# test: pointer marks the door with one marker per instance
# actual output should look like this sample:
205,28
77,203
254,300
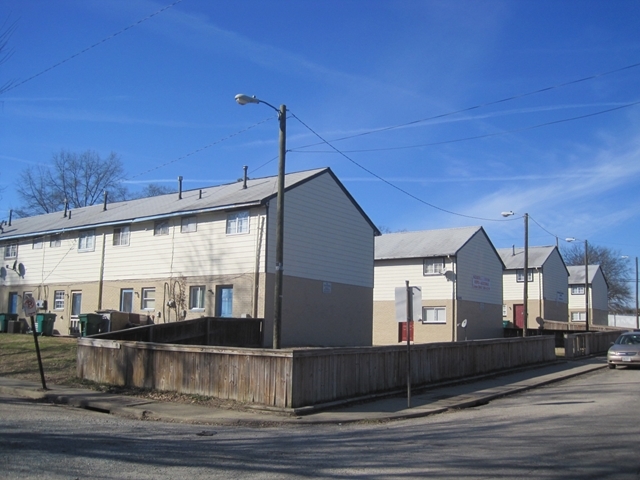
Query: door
76,310
224,301
518,315
126,300
13,302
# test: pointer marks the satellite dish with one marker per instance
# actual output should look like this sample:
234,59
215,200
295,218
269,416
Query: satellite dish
21,270
464,323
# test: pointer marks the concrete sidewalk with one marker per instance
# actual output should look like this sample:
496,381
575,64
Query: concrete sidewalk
435,399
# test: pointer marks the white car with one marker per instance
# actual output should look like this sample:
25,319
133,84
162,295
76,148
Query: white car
625,350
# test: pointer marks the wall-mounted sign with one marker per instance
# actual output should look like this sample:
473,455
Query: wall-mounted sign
480,282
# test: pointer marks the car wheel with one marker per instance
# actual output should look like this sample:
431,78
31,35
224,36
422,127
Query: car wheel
612,366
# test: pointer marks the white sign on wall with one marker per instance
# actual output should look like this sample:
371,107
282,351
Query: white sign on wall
481,282
401,304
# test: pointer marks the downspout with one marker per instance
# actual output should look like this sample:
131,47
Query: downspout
454,299
101,277
256,274
540,292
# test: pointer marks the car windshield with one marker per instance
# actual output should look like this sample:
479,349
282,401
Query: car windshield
628,340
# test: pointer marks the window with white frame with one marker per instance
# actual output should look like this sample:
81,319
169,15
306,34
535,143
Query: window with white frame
58,300
148,298
578,316
188,224
161,227
121,236
433,266
520,275
504,310
434,315
11,251
37,243
238,223
55,240
577,289
87,241
196,297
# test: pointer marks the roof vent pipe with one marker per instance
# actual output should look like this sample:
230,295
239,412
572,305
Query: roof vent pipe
66,207
69,214
104,207
180,187
10,215
244,177
513,250
200,195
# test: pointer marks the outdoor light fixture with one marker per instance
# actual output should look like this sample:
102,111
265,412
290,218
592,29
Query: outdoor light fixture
277,304
586,280
525,293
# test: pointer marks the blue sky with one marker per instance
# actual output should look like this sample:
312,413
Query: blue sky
165,88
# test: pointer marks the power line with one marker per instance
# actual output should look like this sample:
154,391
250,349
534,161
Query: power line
481,105
17,84
476,137
392,184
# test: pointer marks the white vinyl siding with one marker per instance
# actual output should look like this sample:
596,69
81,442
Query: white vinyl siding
326,236
390,274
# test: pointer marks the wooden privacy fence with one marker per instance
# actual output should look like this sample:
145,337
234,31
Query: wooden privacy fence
294,378
582,344
228,332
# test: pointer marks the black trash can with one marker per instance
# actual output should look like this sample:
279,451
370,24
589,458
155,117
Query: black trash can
92,324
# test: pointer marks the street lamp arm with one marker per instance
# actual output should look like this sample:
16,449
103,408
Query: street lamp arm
243,99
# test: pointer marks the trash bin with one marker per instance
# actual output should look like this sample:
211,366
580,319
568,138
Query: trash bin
4,322
44,323
92,324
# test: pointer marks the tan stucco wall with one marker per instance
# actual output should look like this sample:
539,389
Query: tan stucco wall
315,314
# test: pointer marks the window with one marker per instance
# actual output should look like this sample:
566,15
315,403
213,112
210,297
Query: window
37,243
121,236
577,289
188,224
434,315
196,298
520,275
86,241
238,223
504,310
161,227
55,240
58,300
433,266
11,251
578,316
148,298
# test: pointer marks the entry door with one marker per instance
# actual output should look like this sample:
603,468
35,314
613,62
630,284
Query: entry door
518,314
224,301
13,302
126,300
76,310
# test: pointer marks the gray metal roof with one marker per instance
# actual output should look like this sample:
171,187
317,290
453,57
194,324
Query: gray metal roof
576,274
513,258
424,243
221,197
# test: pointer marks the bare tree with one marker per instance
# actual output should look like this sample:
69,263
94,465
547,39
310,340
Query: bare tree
615,268
153,190
77,178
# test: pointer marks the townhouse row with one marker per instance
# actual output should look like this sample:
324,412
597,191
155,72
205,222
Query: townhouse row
211,252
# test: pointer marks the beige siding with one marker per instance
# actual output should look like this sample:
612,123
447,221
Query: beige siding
390,274
479,272
326,237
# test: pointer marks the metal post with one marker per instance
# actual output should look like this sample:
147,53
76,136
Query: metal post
525,294
277,309
586,285
637,321
35,340
409,318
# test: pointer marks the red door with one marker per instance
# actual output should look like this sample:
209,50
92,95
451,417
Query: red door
518,314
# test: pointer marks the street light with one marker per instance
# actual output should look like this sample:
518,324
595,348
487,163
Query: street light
277,301
525,293
586,281
636,280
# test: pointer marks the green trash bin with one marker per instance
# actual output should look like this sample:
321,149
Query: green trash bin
4,322
44,323
91,324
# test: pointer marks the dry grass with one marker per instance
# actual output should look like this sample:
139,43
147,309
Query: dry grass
18,358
